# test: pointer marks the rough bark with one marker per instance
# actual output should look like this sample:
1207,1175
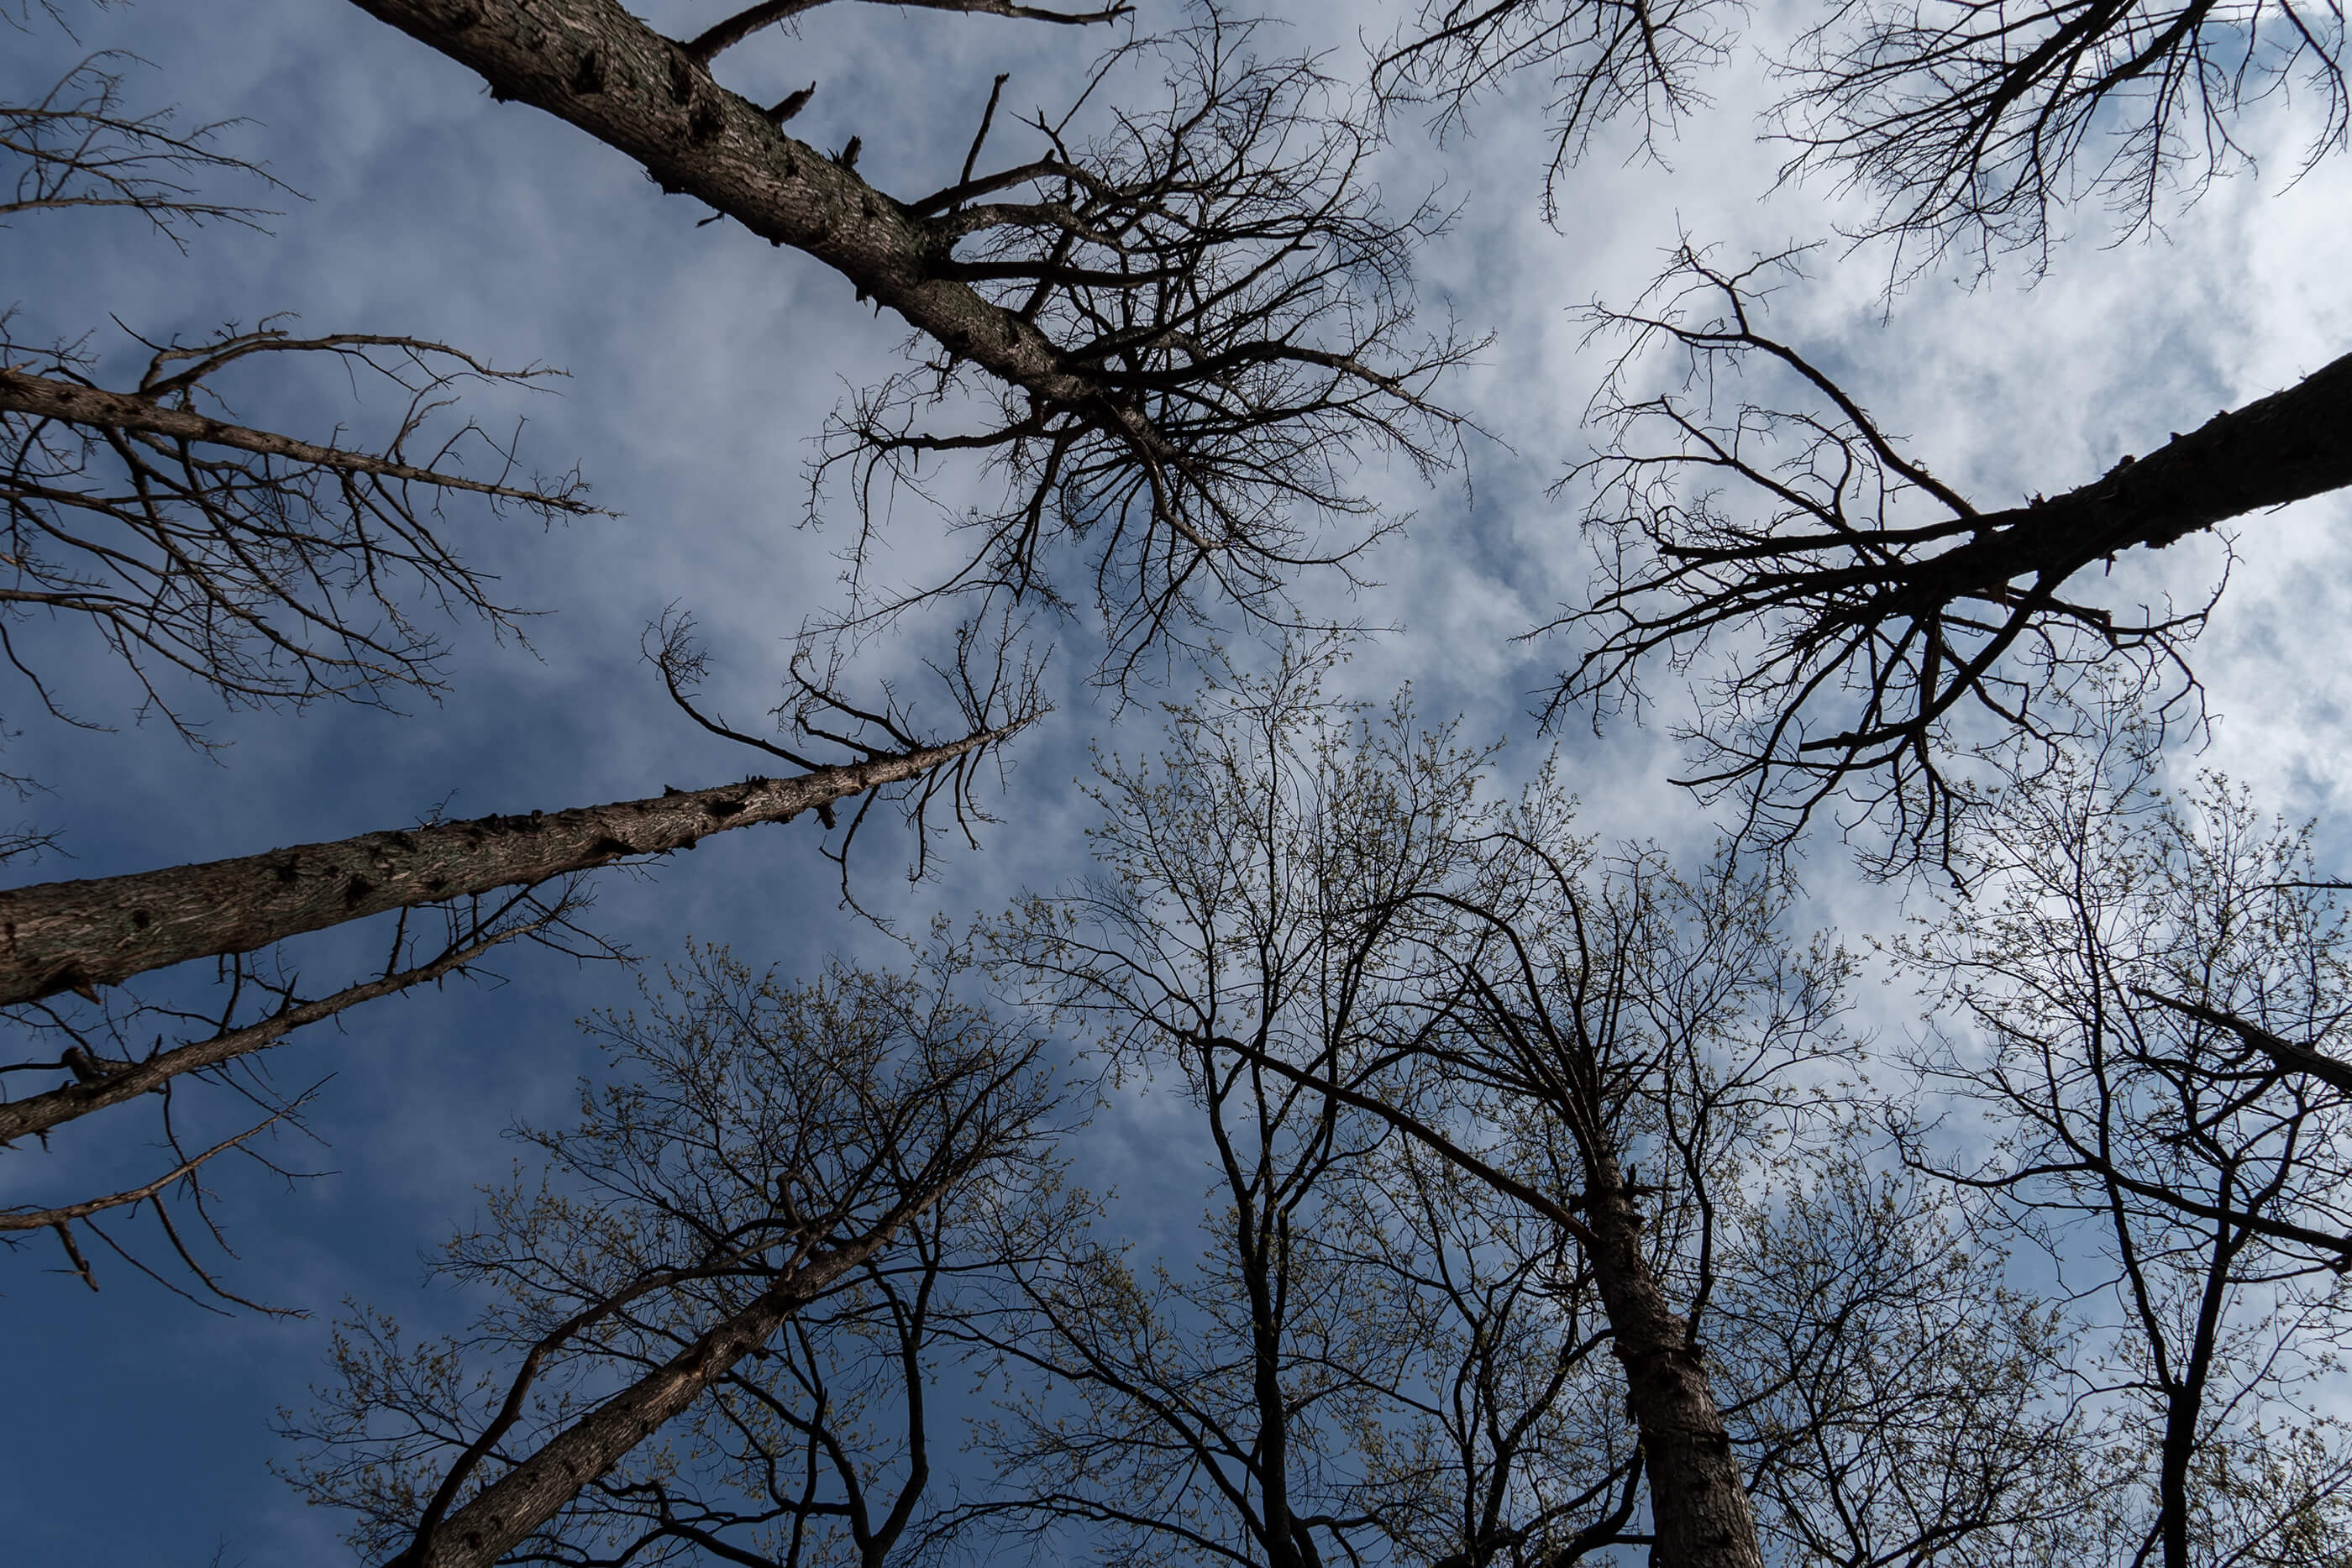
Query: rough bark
479,1534
75,936
2288,446
1698,1503
2290,1056
592,65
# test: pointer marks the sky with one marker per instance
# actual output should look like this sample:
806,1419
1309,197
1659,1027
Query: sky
700,363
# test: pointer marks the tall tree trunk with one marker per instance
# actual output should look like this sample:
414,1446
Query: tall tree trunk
75,936
592,64
1698,1505
1700,1514
2288,446
506,1511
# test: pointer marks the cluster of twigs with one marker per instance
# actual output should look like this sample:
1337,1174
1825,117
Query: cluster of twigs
217,1042
1863,613
265,568
1237,313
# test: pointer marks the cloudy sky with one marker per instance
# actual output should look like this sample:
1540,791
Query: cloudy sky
700,363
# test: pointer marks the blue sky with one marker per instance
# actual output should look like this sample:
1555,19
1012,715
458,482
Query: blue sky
701,363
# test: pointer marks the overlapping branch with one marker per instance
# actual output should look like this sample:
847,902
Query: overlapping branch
1972,120
268,569
80,146
771,1147
1170,339
1872,617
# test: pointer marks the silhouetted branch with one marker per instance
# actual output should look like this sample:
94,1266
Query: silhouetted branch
1868,615
1973,119
270,568
1170,357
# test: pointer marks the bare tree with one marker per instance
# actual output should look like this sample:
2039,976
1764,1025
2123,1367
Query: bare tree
771,1179
1973,123
77,935
264,568
2185,1182
456,890
1167,337
82,145
1370,1357
1875,625
1444,970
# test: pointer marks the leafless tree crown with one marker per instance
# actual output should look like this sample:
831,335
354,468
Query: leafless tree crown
204,552
1975,121
1860,626
1170,332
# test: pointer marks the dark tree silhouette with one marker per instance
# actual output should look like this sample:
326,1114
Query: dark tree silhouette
758,1190
2192,1185
265,568
1874,624
1976,120
1169,336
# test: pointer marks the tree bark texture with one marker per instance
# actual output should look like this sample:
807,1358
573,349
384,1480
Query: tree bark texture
593,65
479,1534
2288,446
1700,1515
68,936
1698,1504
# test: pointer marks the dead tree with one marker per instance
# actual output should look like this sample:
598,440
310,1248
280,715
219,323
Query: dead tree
265,568
458,890
78,935
777,1169
1167,337
1973,123
1871,624
217,1042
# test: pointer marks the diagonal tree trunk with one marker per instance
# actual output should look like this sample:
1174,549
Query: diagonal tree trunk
592,64
35,1115
76,935
1700,1515
506,1511
2288,446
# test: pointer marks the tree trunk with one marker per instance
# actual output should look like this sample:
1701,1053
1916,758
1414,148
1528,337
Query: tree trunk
36,1114
1698,1504
2288,446
593,65
74,936
534,1491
